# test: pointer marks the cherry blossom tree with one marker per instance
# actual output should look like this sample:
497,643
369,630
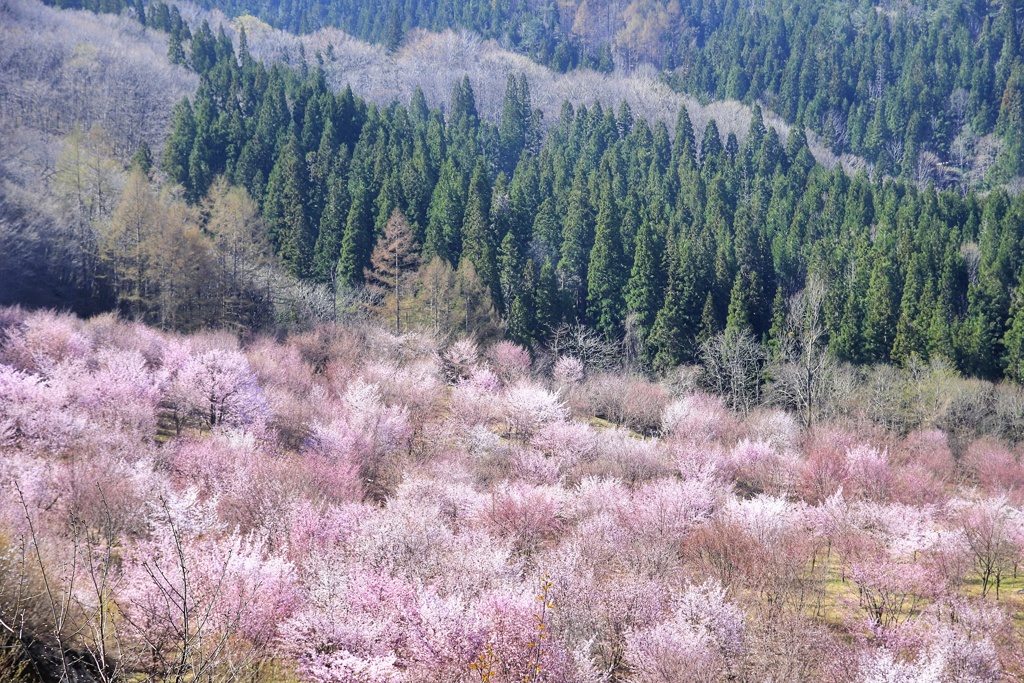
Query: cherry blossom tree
889,590
867,472
527,407
475,398
992,530
202,607
697,417
701,641
568,371
352,505
216,387
45,340
364,441
526,514
568,442
354,628
460,358
510,361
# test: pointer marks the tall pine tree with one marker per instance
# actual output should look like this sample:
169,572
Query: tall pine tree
606,277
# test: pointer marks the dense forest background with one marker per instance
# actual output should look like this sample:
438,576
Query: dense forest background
655,234
912,87
924,90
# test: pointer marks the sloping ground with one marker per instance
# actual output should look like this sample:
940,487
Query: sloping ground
434,61
351,500
59,68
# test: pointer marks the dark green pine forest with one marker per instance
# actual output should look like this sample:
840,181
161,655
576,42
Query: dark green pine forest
608,220
666,238
910,87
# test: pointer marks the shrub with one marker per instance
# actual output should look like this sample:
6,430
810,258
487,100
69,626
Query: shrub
630,402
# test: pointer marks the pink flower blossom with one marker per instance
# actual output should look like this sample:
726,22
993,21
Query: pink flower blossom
460,358
45,340
527,407
697,417
569,442
510,361
700,642
217,387
568,371
527,514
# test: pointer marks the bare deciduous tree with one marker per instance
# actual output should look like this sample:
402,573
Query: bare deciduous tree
804,375
182,614
125,241
583,343
66,594
958,103
734,365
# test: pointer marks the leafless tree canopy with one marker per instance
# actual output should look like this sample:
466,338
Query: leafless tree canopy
733,366
62,68
79,93
805,377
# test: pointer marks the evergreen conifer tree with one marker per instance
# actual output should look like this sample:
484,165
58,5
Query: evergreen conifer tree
606,276
644,291
287,217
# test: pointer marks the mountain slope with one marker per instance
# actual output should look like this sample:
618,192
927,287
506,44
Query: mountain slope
434,62
923,90
59,70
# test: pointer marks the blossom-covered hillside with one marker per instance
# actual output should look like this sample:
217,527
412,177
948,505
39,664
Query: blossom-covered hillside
350,505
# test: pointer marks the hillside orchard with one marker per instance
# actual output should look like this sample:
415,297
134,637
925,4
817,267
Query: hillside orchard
352,505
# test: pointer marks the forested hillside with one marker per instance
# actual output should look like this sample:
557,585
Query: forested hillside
434,61
667,238
662,237
85,105
79,94
915,88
